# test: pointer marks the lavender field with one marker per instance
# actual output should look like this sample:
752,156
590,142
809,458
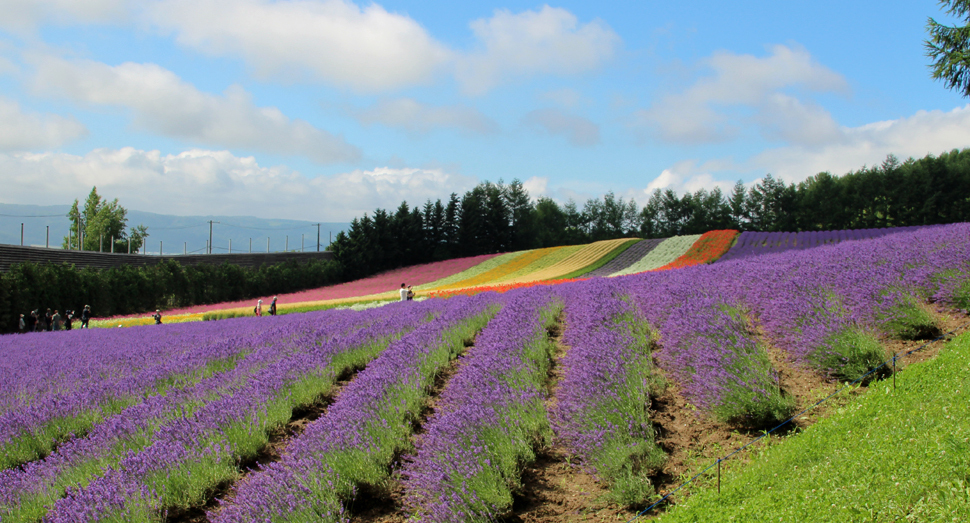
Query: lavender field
442,410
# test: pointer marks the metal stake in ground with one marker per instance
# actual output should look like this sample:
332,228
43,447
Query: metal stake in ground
718,475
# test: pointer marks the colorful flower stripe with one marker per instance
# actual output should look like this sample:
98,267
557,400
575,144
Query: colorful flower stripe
27,492
607,373
489,416
627,258
147,320
522,262
707,249
471,291
584,256
355,442
668,251
197,452
473,272
384,283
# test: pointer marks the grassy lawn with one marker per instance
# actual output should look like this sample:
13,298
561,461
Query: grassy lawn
890,455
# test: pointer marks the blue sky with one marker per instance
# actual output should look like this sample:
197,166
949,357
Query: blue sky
326,109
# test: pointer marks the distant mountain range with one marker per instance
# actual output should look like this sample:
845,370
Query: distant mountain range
177,234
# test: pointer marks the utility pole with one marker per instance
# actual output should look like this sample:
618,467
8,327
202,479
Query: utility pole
159,247
230,245
47,243
101,243
129,244
318,235
185,248
210,235
286,246
250,245
302,241
21,234
267,245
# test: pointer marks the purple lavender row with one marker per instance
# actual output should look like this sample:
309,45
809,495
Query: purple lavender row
873,286
601,412
77,378
26,492
751,243
491,415
708,345
192,454
355,442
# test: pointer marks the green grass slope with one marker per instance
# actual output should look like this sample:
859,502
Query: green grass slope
900,455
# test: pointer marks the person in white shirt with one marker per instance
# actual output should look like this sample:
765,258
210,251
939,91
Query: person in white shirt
404,292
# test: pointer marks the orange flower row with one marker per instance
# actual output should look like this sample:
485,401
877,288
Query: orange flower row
708,248
498,288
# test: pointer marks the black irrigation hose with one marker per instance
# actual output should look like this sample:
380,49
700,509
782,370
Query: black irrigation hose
789,420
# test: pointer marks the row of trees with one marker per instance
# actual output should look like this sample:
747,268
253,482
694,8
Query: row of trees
129,289
495,217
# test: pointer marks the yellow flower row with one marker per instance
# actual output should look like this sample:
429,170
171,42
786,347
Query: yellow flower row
584,256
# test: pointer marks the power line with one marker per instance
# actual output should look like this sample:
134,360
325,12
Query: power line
34,215
269,228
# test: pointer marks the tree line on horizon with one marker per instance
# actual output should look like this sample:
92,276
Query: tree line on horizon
499,217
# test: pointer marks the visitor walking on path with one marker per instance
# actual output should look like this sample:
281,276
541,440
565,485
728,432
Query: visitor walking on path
22,327
259,308
272,307
404,292
57,322
410,294
86,317
157,317
48,321
68,319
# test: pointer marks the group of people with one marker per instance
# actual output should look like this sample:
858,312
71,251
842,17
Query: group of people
48,321
258,310
407,293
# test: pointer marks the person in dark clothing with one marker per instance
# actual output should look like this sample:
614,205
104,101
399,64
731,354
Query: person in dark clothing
272,307
85,317
32,321
157,317
57,321
48,321
68,319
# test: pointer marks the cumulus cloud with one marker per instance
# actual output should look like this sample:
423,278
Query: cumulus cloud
162,102
365,49
414,116
742,90
548,41
926,132
217,182
578,130
21,131
566,97
22,16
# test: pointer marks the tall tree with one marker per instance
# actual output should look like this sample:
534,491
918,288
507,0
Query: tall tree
949,48
99,223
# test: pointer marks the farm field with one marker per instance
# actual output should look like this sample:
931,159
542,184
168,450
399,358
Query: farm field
585,400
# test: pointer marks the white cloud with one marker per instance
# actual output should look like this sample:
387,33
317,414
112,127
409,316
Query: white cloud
23,16
578,130
688,176
926,132
536,186
745,90
414,116
25,131
365,49
548,41
216,182
162,102
566,97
